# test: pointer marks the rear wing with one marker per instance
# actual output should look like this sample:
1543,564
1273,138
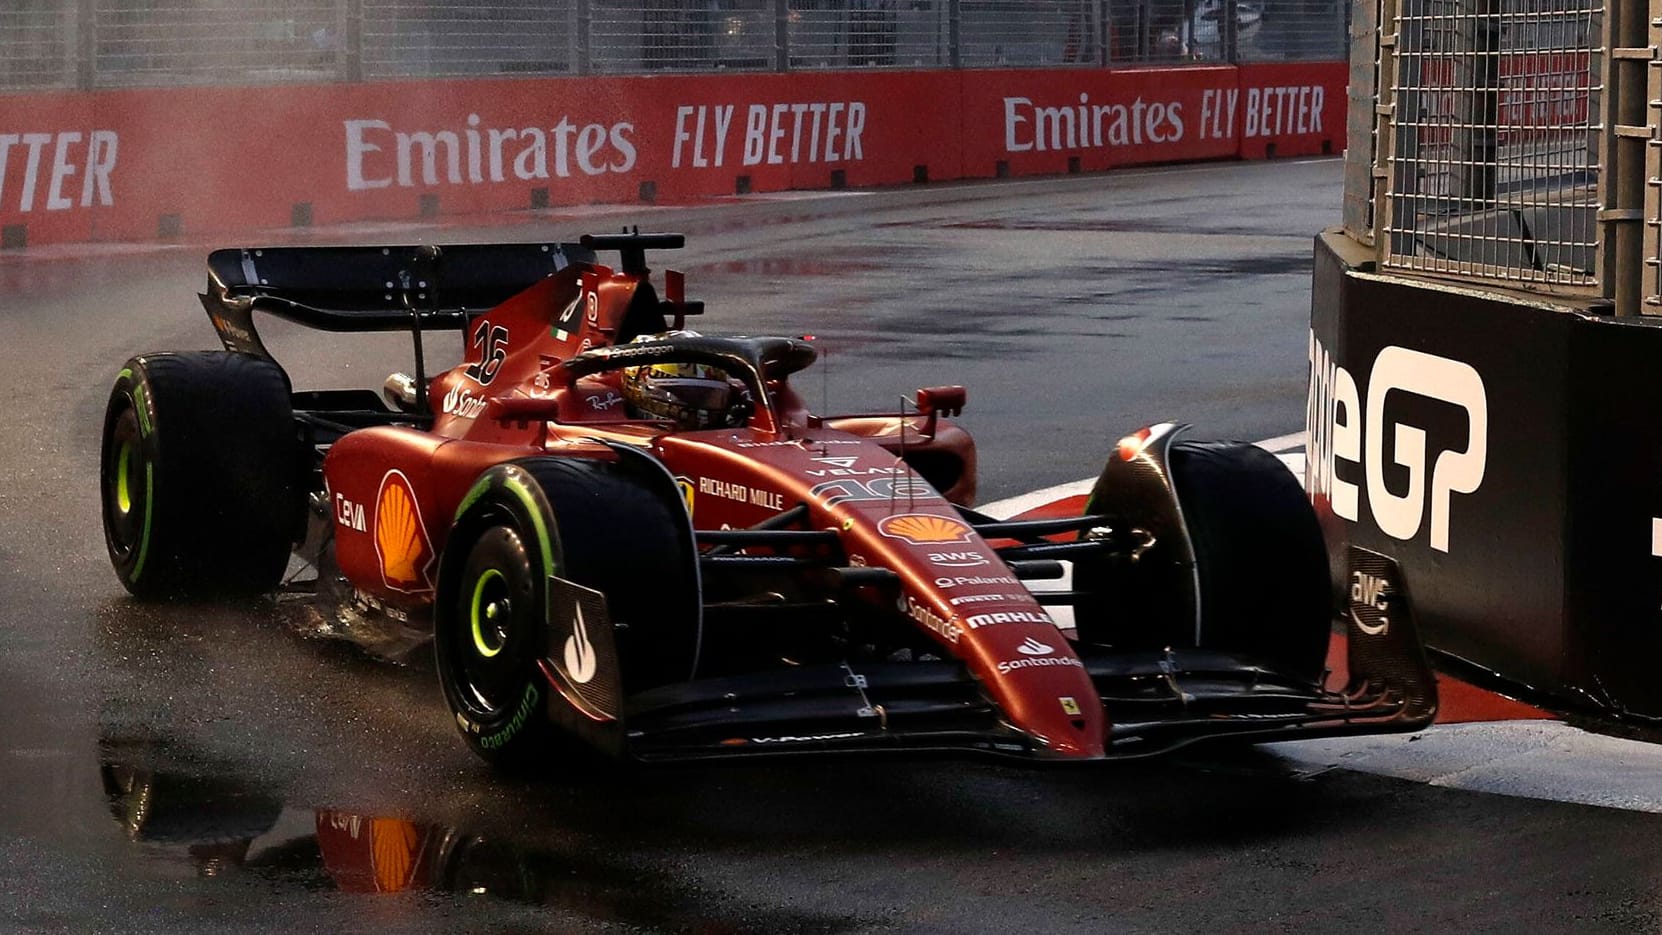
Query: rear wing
373,288
388,288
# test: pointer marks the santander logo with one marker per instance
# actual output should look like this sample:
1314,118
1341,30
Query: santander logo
1032,647
579,652
463,404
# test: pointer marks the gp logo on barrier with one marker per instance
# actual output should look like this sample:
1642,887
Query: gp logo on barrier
1340,429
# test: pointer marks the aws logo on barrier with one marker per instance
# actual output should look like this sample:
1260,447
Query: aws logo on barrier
1341,429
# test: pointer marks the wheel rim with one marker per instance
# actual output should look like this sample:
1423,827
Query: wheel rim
490,612
123,479
126,488
490,640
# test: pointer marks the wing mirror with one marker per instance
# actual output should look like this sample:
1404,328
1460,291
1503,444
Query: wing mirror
936,401
946,400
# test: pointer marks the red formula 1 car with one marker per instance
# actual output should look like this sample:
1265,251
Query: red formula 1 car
623,536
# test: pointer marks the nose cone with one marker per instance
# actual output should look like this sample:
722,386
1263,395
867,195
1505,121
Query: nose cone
1080,747
1040,683
962,593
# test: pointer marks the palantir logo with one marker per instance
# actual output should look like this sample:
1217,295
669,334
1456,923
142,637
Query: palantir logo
1340,430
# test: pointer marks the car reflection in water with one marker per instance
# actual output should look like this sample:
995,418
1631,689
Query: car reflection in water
222,828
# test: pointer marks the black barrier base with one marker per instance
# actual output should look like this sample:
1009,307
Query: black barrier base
1508,455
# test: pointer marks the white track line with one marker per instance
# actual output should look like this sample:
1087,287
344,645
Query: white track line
1021,503
1015,506
1529,759
1282,442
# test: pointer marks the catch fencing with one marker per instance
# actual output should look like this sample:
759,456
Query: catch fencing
1488,143
94,44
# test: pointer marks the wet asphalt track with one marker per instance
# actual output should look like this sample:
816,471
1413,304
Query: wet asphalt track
198,768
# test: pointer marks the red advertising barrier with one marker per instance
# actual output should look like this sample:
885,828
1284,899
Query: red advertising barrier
166,163
1542,95
1290,110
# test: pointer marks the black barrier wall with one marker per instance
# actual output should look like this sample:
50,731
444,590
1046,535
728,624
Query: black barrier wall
1508,454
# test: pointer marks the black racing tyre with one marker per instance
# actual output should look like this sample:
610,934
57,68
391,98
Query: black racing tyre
201,475
594,523
632,544
1262,563
488,638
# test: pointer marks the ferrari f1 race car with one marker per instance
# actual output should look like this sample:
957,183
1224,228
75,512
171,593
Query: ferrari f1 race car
628,538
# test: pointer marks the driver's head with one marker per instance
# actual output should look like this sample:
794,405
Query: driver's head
693,396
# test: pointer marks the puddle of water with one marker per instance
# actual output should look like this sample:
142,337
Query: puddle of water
219,826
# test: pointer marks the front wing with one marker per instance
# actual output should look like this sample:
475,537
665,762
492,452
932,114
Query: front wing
1155,702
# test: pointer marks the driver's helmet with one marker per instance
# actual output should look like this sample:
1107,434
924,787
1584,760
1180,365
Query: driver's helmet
693,396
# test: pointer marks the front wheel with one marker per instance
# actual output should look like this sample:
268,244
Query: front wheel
489,643
1264,587
1225,554
566,584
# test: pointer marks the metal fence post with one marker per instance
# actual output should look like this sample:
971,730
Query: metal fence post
582,41
85,48
1229,30
1104,33
1476,136
781,35
1399,137
1625,141
350,27
954,34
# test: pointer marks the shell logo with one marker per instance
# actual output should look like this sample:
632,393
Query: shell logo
393,844
401,537
923,528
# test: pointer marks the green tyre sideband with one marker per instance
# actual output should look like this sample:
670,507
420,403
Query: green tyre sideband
490,619
577,566
200,475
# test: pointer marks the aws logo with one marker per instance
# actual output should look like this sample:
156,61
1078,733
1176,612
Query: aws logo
401,541
1341,430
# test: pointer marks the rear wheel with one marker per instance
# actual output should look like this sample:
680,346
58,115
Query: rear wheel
200,475
500,624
